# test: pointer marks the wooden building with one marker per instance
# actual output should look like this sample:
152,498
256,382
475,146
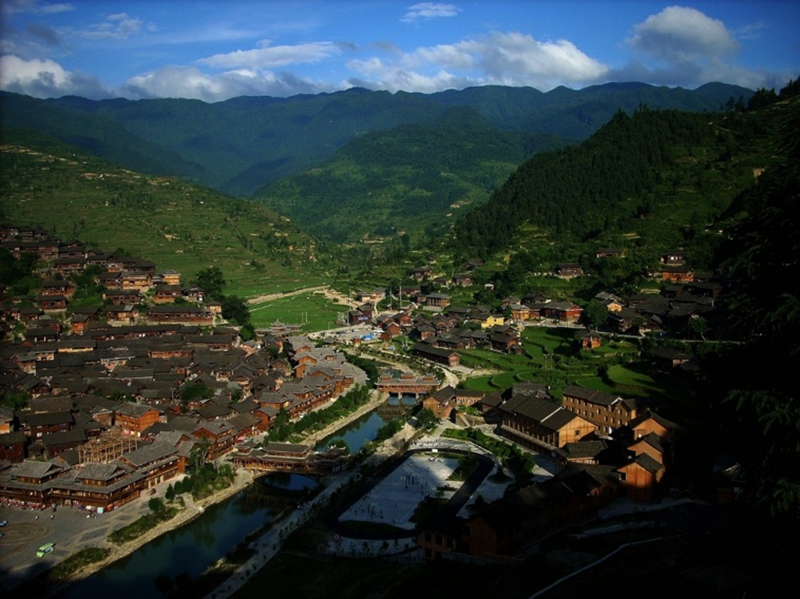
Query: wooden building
607,412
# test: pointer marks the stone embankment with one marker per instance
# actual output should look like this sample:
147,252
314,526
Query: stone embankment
192,510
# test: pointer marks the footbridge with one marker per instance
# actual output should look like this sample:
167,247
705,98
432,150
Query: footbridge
289,457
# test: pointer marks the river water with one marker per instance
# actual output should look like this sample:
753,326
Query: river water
161,564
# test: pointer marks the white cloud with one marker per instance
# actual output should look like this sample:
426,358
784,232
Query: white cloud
190,82
116,26
51,9
500,58
690,49
267,56
429,10
679,33
46,79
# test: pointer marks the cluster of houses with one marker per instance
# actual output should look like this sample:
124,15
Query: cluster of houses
441,328
114,408
604,446
133,292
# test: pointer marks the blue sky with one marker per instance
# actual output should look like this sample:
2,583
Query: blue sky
216,50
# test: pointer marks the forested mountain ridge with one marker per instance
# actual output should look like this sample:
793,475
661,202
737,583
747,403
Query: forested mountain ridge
241,144
412,180
753,386
647,181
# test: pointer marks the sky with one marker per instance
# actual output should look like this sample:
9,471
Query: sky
215,50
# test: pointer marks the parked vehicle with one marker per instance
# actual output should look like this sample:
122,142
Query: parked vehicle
45,549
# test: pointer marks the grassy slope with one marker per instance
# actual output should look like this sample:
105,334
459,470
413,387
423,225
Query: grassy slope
179,226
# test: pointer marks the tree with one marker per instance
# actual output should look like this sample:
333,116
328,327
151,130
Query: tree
212,281
234,309
197,455
156,505
699,326
595,313
426,418
281,426
16,400
196,390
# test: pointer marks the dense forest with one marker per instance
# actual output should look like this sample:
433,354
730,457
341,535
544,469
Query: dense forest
648,173
757,380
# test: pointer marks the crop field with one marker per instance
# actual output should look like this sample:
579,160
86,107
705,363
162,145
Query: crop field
541,340
553,358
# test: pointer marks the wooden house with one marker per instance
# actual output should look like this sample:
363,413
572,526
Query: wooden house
540,424
29,483
37,425
56,287
221,436
167,294
564,312
98,487
435,354
569,270
641,478
590,340
134,418
604,410
13,446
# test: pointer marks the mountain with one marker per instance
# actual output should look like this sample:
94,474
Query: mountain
100,135
241,144
644,183
414,179
178,225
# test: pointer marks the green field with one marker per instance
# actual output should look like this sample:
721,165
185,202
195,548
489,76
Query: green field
540,340
312,310
552,358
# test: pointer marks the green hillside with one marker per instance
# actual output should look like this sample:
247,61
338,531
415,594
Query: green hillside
102,136
413,179
644,183
178,225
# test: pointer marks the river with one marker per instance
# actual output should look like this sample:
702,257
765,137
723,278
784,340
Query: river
160,565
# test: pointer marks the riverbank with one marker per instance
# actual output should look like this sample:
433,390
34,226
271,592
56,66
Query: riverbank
71,531
102,527
269,544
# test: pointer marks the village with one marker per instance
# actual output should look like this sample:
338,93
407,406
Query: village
126,397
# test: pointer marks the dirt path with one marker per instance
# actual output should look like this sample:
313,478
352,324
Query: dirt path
260,299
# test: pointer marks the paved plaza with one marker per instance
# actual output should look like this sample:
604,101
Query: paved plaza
395,499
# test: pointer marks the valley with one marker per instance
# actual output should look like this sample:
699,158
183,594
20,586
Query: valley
619,309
